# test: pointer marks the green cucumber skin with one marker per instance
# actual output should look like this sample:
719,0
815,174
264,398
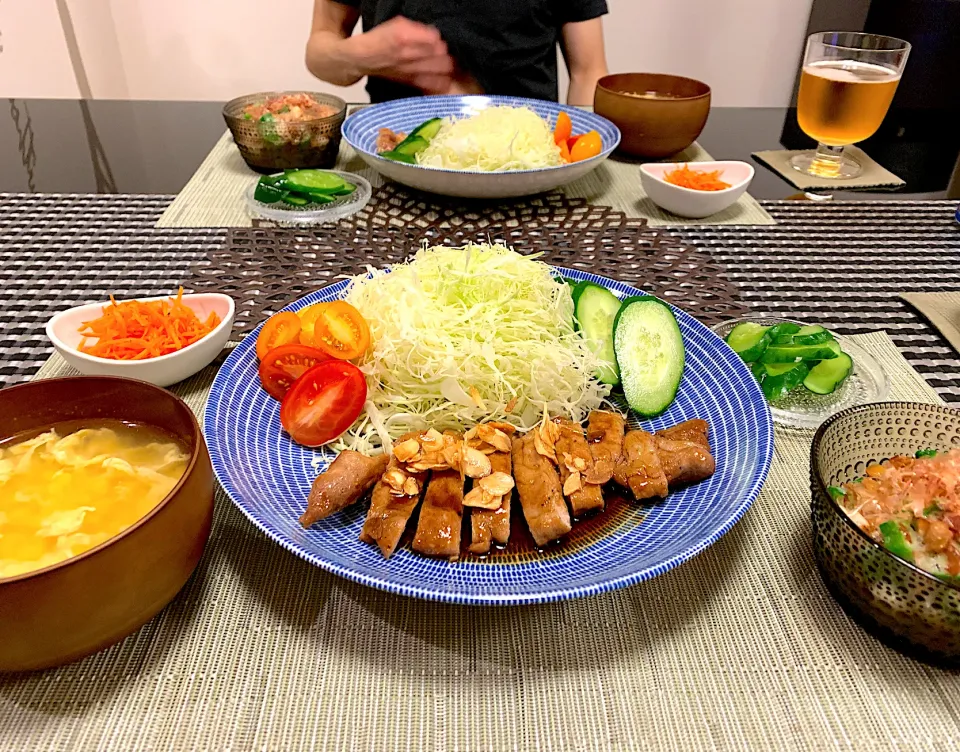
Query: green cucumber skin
778,330
427,129
794,353
299,181
827,375
781,382
396,156
653,403
588,300
412,146
752,352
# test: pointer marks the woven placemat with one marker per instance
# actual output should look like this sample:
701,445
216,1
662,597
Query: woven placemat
213,197
265,269
942,310
740,648
874,175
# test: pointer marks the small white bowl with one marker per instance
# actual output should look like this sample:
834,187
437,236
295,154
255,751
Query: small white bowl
63,331
687,202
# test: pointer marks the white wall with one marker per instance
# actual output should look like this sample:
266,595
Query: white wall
747,50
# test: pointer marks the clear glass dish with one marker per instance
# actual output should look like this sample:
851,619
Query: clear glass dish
800,408
286,215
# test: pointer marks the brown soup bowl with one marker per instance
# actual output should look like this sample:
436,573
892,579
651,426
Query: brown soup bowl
66,611
655,126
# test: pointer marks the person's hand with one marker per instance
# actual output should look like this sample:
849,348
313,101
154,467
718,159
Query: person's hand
407,52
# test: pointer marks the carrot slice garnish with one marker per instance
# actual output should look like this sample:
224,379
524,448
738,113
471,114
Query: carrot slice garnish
698,180
138,330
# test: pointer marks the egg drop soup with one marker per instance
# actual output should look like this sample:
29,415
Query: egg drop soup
77,485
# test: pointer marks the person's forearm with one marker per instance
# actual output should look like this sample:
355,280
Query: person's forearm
582,86
331,59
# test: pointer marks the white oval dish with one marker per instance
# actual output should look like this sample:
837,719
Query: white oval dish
687,202
63,331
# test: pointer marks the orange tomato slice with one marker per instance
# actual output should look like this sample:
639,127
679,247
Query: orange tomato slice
308,318
588,145
564,152
340,331
280,329
563,128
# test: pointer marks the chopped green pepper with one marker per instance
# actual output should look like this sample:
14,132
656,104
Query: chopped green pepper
894,541
835,492
926,453
931,509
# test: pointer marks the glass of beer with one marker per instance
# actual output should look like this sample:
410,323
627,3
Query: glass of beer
846,86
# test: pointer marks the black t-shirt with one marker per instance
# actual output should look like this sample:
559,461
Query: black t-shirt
509,46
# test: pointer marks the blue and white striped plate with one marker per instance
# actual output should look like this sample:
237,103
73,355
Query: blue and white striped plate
403,115
268,477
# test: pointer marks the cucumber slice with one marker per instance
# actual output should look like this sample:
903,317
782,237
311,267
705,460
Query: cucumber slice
398,157
426,130
794,353
313,181
347,189
595,308
412,145
319,198
294,200
812,335
827,375
267,193
782,378
807,335
748,340
779,330
650,354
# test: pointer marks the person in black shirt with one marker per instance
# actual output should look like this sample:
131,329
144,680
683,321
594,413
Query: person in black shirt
412,47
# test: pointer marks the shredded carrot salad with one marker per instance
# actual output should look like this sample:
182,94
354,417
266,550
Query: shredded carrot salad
138,330
698,180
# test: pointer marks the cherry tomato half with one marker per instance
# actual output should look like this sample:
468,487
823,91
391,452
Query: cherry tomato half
340,331
308,317
587,146
323,403
563,128
280,329
283,365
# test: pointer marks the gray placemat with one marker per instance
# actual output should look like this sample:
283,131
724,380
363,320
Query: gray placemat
213,197
740,648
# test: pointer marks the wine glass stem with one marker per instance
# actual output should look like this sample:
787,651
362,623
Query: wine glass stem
827,160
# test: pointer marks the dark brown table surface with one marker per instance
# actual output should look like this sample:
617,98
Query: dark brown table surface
103,146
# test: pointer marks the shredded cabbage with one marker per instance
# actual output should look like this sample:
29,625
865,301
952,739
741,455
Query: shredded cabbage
494,140
461,335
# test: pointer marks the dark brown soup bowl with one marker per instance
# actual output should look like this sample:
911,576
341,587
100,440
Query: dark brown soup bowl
69,610
653,127
905,606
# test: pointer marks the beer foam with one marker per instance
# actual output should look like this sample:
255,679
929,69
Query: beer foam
852,72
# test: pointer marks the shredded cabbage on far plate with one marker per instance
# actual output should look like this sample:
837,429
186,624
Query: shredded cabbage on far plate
493,140
460,335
